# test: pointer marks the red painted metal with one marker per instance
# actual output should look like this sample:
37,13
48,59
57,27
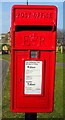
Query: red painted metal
33,28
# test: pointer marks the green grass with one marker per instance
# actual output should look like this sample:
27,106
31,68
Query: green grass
60,57
58,102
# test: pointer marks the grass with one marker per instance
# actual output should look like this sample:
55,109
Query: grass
58,101
60,57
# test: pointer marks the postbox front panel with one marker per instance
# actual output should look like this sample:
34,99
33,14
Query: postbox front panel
33,45
33,82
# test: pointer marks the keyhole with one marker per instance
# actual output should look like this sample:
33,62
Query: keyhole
20,79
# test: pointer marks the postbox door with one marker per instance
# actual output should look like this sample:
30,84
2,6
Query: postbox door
39,98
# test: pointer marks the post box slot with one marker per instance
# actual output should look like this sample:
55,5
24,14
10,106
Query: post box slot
34,28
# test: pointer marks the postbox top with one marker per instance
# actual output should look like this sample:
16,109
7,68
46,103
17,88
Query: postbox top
48,7
34,6
34,26
34,14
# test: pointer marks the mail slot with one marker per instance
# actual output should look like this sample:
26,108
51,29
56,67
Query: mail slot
33,49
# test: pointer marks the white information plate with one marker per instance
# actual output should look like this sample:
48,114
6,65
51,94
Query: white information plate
33,77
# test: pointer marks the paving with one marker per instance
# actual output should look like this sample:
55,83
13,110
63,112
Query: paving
3,70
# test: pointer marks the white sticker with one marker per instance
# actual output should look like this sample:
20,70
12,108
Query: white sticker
33,77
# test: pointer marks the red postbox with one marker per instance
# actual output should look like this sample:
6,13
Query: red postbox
33,49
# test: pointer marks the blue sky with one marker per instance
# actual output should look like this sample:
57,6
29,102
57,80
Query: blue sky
6,13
